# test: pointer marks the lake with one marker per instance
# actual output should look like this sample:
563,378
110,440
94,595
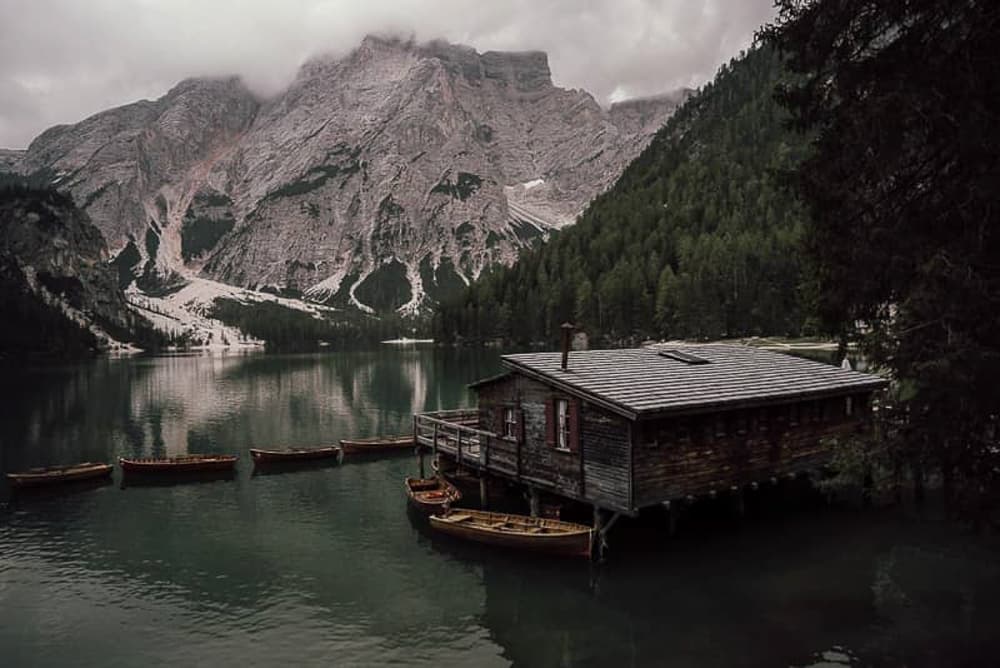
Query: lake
324,566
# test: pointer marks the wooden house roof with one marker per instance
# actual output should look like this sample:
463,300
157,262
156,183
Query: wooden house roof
656,380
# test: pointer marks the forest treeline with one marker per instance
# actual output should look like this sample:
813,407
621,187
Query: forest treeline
697,239
287,329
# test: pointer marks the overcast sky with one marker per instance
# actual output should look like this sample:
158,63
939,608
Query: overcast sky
62,60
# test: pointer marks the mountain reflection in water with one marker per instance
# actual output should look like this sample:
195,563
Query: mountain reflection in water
323,566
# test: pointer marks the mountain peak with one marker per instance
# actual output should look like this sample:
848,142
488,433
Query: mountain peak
403,168
522,71
527,70
374,42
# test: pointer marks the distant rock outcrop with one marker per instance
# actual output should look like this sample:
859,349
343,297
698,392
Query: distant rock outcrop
58,292
381,179
10,160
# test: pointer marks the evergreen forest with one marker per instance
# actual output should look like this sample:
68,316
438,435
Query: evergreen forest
698,238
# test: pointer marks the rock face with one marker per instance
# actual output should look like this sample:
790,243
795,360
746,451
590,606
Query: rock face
134,168
381,179
56,285
10,160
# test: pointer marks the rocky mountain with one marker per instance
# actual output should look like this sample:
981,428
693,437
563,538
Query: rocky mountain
9,160
58,292
698,238
381,179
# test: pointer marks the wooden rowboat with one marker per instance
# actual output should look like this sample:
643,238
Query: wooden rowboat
517,531
181,464
378,444
431,495
59,474
295,455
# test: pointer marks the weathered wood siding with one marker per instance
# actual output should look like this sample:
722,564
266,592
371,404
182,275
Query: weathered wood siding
541,464
675,457
604,442
671,457
598,471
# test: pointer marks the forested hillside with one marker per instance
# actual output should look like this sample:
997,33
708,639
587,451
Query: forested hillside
58,294
697,238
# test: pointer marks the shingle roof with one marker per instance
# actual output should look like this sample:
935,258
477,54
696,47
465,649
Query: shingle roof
640,382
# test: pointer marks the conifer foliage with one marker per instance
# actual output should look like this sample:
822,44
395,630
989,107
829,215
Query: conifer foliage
696,239
903,97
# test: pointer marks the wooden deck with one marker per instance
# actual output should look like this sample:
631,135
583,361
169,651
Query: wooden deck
443,433
449,432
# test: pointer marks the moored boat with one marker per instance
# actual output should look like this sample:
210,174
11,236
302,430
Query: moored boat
180,464
376,445
431,495
54,475
295,455
537,534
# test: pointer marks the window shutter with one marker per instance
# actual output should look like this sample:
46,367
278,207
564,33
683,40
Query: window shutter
550,422
574,425
498,420
520,426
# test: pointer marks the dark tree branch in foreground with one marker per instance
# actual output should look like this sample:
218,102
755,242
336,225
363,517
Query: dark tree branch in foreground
902,191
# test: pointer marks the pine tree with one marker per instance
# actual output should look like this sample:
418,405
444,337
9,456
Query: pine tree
904,229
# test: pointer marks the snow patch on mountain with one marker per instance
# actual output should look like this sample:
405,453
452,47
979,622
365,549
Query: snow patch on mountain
382,181
187,312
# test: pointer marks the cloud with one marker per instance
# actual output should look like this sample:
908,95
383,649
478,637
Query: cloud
62,60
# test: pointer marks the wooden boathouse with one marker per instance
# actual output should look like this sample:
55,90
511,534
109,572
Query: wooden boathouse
624,430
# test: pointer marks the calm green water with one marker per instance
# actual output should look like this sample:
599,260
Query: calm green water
324,567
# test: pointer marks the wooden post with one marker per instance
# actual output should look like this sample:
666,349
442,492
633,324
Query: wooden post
484,499
534,502
672,512
459,451
602,535
435,439
595,536
417,445
519,446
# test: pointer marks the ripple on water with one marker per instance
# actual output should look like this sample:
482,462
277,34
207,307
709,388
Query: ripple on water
322,566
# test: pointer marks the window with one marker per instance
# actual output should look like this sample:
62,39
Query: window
562,424
509,423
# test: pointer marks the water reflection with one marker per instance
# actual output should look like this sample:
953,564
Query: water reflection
174,405
323,566
838,589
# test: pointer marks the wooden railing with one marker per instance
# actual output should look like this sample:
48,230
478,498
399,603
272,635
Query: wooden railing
455,433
